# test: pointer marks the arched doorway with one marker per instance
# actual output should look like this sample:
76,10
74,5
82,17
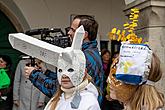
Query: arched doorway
11,21
7,27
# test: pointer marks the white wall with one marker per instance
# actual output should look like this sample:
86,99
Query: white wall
56,13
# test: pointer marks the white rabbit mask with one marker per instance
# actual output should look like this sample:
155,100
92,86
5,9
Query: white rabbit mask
74,69
71,57
72,61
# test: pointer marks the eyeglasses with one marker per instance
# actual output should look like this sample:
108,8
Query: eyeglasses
70,28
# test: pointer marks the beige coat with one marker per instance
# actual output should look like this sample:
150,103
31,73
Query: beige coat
24,91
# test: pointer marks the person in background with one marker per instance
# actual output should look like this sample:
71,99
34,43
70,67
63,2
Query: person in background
49,82
106,58
6,96
108,104
138,97
25,95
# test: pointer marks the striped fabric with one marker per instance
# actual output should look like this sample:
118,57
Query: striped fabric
94,65
46,83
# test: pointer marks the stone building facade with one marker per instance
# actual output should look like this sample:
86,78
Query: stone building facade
152,28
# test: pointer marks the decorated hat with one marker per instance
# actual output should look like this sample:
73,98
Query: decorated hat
128,33
134,56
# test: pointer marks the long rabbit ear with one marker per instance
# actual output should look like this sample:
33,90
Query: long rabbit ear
78,38
76,45
31,46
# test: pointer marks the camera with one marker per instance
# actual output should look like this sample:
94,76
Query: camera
53,36
31,60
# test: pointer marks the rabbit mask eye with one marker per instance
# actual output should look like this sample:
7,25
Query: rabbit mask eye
70,70
59,70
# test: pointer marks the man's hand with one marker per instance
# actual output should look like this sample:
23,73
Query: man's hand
28,71
41,65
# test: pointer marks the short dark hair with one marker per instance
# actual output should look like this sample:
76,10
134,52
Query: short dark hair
7,59
90,25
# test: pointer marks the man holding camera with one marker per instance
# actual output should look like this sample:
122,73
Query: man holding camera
48,82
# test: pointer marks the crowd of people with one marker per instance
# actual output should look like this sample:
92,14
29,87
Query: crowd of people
85,81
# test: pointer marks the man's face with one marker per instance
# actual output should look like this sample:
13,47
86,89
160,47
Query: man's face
73,28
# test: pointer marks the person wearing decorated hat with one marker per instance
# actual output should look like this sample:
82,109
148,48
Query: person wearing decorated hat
133,76
6,83
135,71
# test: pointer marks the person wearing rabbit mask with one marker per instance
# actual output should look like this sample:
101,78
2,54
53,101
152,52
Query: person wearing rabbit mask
49,82
75,87
76,92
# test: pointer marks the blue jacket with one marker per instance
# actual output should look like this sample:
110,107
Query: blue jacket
48,82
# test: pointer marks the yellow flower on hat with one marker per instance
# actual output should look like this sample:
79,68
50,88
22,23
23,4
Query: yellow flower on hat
140,40
135,10
113,30
118,32
126,25
112,34
119,38
129,27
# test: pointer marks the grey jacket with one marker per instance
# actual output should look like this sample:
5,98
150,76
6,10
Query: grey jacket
24,91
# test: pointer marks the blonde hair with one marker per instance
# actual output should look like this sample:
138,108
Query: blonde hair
56,97
146,95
